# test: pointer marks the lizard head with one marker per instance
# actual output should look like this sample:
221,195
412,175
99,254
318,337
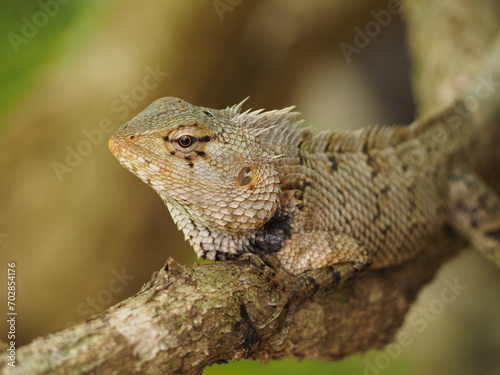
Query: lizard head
210,170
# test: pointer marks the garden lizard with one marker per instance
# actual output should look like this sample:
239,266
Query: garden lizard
333,203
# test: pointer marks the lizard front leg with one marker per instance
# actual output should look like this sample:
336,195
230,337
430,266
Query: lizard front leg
325,259
307,263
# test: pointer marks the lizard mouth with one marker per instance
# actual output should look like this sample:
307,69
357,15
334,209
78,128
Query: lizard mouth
113,145
118,143
125,154
119,147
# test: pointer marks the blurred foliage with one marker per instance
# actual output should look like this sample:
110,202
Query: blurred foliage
35,37
352,365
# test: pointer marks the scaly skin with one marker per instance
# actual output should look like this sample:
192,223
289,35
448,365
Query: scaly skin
262,183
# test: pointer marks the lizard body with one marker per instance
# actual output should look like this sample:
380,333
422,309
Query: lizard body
261,182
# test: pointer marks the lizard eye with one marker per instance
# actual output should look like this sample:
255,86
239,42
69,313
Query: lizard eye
185,141
189,141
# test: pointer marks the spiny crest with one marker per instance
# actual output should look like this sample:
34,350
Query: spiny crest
382,137
370,137
236,108
276,126
282,127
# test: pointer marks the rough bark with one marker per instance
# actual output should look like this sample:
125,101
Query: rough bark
187,318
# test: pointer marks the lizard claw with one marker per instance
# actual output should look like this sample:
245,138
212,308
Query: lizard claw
270,272
292,291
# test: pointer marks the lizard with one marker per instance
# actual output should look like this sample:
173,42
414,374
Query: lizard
321,206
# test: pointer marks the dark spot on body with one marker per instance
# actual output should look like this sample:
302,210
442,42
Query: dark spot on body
298,188
334,163
207,113
200,153
373,165
365,148
271,237
165,138
191,164
300,191
172,152
313,284
336,278
385,230
187,157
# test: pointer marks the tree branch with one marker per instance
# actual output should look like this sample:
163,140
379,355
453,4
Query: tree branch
187,318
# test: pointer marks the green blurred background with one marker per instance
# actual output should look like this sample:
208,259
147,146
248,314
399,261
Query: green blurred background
85,233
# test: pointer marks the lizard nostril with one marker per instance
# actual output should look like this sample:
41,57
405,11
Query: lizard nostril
132,137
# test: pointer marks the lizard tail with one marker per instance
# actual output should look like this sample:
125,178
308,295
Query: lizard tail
482,96
475,206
